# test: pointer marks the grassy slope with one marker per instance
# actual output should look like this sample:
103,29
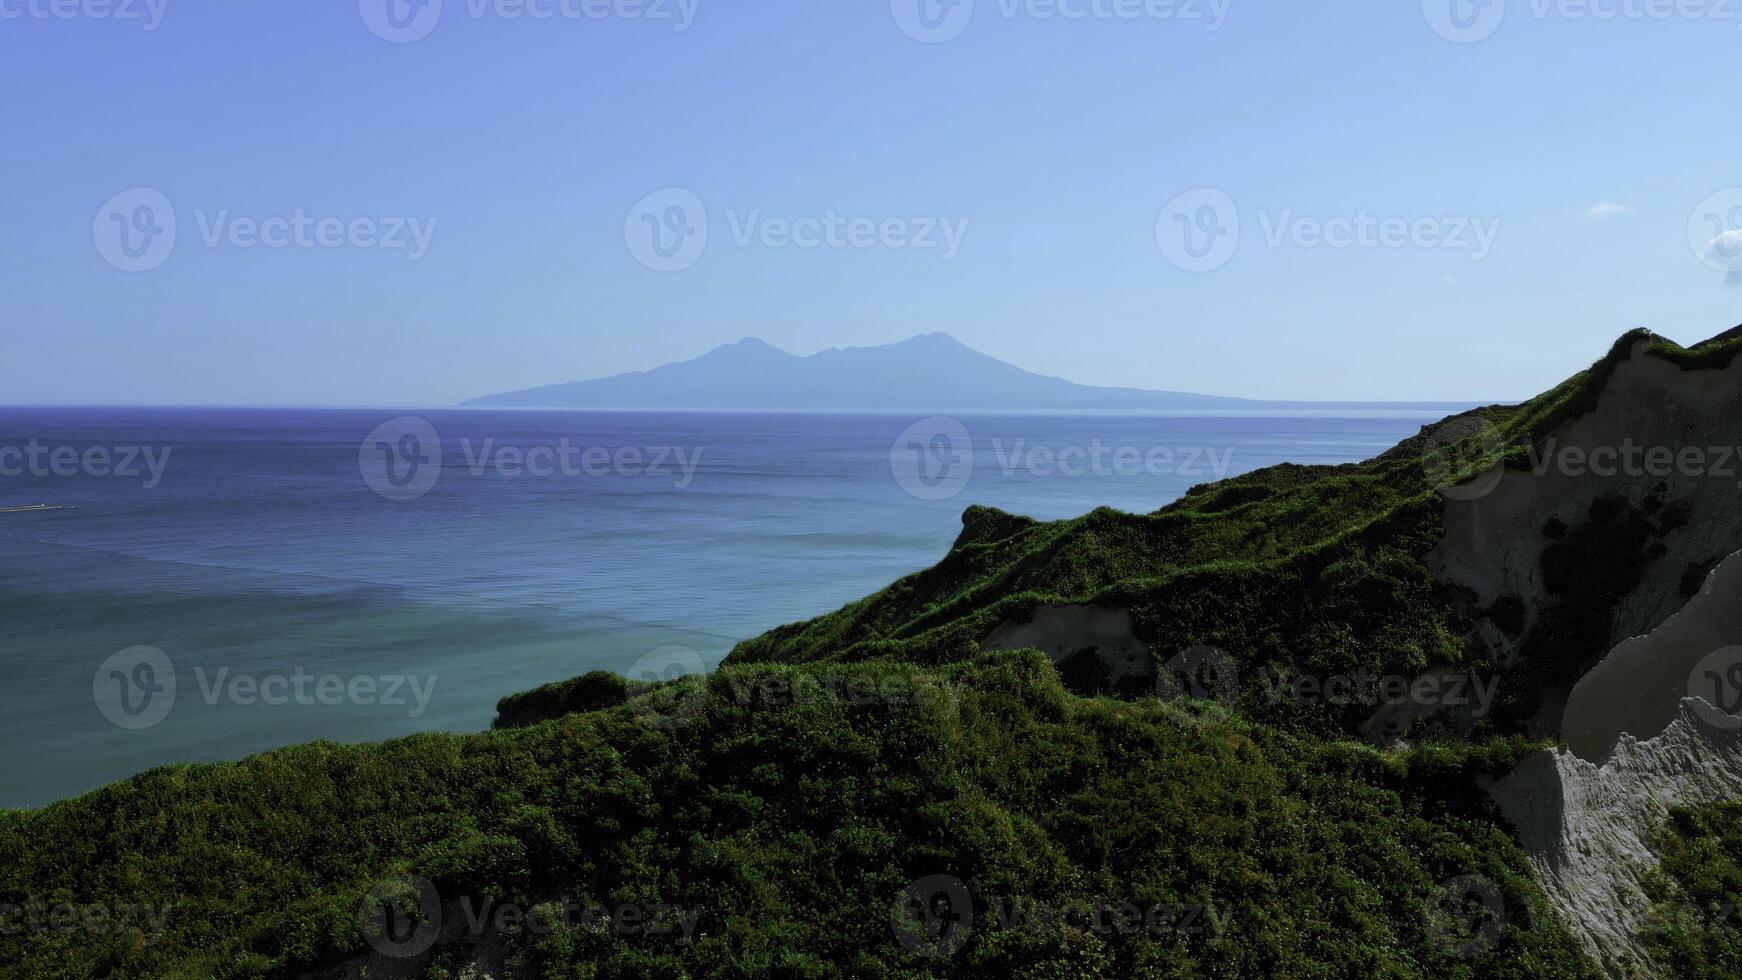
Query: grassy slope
792,825
795,826
1315,570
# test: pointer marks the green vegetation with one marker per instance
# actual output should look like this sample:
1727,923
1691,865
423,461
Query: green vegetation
791,813
781,806
1296,570
1695,922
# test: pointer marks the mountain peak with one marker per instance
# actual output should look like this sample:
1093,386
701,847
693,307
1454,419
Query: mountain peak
749,344
936,338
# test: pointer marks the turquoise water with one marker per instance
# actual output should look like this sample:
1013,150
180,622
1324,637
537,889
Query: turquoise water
259,549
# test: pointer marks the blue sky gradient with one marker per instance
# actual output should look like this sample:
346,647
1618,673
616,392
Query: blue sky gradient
1057,143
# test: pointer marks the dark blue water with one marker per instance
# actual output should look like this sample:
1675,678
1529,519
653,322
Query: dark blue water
258,547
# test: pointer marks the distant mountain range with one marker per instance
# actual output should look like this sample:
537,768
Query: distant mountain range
933,372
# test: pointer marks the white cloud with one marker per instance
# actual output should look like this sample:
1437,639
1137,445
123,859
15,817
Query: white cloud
1607,209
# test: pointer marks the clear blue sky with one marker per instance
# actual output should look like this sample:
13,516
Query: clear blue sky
1059,141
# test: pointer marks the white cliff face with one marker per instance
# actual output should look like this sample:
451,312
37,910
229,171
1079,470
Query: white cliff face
1638,688
1495,540
1586,828
1650,726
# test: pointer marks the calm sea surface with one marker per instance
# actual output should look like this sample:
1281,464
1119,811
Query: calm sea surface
303,574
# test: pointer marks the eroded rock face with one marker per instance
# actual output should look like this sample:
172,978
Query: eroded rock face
1610,532
1094,647
1586,828
1638,688
1626,566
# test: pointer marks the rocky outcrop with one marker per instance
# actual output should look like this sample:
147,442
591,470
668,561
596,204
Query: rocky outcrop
1586,828
1639,687
1611,571
1649,474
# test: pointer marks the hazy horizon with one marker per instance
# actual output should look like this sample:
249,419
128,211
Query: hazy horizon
1259,405
1252,199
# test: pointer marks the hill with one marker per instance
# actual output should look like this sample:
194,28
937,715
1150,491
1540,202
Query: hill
929,373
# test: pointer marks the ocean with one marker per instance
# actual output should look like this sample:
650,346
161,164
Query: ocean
185,585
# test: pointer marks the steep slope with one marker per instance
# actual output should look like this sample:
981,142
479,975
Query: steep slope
1458,547
1522,545
1587,829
